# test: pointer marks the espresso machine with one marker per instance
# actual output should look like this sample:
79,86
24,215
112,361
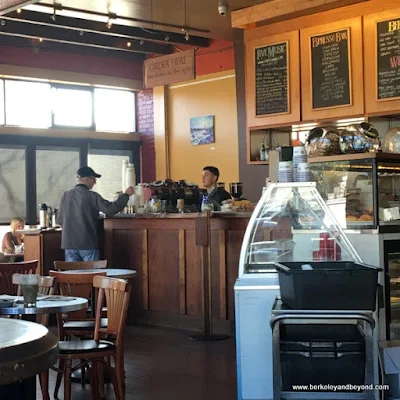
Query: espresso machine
171,191
236,190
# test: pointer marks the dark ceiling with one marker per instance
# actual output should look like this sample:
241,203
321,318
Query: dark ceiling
131,29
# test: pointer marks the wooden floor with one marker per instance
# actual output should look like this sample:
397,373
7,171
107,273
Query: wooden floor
166,364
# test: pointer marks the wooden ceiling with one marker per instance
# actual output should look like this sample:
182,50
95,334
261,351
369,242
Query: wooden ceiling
137,27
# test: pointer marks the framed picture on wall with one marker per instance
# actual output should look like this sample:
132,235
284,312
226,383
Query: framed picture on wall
202,130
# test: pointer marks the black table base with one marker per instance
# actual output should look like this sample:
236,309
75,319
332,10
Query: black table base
20,390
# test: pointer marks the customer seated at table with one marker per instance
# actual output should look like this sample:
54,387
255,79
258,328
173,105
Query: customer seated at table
12,239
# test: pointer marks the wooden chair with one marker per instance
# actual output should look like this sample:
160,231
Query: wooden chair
76,323
7,270
78,265
72,265
97,351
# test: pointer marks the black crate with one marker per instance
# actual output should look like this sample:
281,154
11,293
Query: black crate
337,285
322,368
321,338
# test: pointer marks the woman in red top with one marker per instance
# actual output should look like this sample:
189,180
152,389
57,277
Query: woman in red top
11,239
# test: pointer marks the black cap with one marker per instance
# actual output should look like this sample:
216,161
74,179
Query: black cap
84,172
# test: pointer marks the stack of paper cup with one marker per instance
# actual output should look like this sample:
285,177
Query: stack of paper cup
285,173
303,173
299,156
124,167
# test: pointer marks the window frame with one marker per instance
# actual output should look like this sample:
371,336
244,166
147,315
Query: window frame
59,85
30,143
5,99
4,102
134,94
89,89
17,146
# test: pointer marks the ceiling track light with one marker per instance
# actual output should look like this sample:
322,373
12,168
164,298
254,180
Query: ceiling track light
54,16
167,38
122,18
111,16
19,10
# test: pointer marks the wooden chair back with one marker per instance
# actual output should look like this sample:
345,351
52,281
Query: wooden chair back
79,284
7,270
72,265
116,293
46,288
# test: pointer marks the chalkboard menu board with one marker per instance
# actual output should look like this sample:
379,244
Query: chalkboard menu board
330,64
388,59
271,80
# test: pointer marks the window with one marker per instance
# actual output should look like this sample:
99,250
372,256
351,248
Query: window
108,163
55,173
72,107
45,105
114,110
28,104
2,116
12,182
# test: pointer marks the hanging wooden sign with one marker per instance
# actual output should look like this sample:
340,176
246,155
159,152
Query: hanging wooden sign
165,70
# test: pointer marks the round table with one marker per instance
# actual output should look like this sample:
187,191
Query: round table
26,348
64,304
111,272
54,304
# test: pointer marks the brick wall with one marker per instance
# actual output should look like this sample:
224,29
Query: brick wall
145,125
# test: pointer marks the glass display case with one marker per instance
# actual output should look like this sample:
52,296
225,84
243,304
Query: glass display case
392,293
292,222
362,190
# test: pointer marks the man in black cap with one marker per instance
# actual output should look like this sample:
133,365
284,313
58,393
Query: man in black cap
78,216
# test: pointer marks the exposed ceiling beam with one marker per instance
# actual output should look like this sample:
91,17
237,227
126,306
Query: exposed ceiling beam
279,10
12,27
36,46
116,30
7,6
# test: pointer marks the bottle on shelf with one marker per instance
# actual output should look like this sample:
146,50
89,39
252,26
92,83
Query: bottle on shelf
262,152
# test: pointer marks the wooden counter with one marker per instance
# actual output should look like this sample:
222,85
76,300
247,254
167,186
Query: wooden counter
169,253
44,246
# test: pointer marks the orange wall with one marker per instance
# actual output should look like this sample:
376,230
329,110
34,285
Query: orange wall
217,57
213,94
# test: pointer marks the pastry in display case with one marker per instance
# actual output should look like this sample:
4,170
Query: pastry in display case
362,190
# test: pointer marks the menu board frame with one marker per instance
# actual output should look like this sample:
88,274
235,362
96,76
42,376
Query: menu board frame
374,105
293,67
287,53
348,72
377,61
356,72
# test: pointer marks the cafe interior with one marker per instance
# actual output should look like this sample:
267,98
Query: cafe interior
297,104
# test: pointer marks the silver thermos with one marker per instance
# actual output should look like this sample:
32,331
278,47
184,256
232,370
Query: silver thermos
53,218
44,216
